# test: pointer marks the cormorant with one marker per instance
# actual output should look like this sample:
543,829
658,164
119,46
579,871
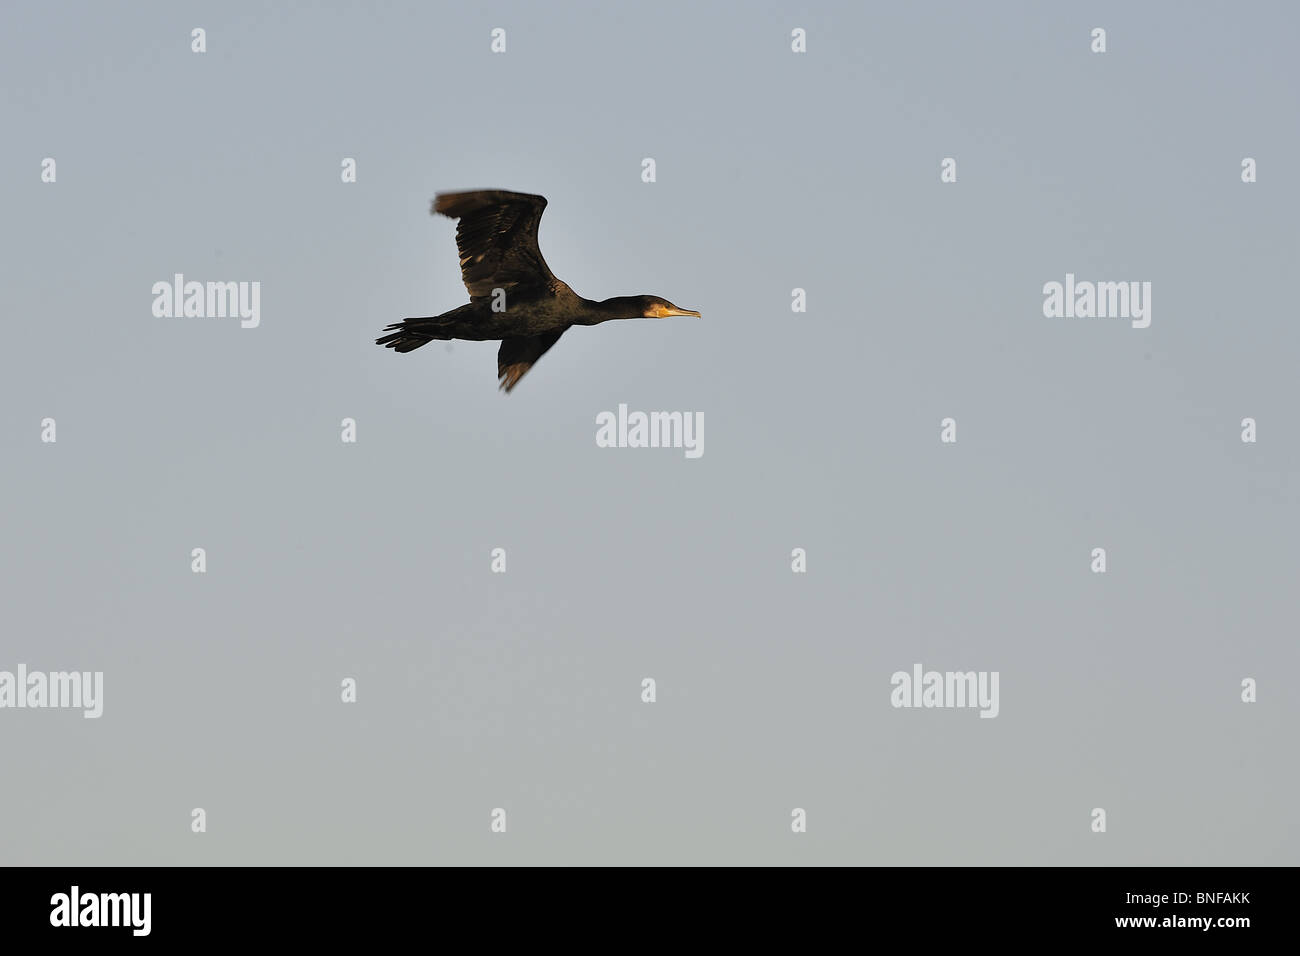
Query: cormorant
514,296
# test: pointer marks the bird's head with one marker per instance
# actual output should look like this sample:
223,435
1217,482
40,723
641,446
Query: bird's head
653,307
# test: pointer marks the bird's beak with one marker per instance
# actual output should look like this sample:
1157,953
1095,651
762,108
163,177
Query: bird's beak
676,311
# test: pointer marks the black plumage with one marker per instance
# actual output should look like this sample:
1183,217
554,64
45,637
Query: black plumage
514,296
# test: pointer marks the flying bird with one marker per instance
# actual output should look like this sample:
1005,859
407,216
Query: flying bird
513,294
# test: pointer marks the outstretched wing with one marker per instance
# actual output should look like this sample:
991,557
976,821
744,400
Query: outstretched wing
497,239
518,354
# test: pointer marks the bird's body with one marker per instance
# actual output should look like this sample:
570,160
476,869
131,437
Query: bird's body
514,296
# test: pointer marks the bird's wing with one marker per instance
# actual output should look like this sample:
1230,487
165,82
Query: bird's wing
497,239
518,354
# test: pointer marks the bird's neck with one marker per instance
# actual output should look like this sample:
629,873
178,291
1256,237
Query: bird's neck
619,307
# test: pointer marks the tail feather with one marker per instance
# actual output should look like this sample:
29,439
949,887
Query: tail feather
410,334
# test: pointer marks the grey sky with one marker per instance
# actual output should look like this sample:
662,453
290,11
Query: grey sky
522,690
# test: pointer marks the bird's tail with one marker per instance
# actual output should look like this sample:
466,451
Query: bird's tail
410,334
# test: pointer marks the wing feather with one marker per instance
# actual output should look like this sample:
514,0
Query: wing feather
519,353
497,240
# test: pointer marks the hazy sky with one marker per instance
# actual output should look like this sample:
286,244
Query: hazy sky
522,690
